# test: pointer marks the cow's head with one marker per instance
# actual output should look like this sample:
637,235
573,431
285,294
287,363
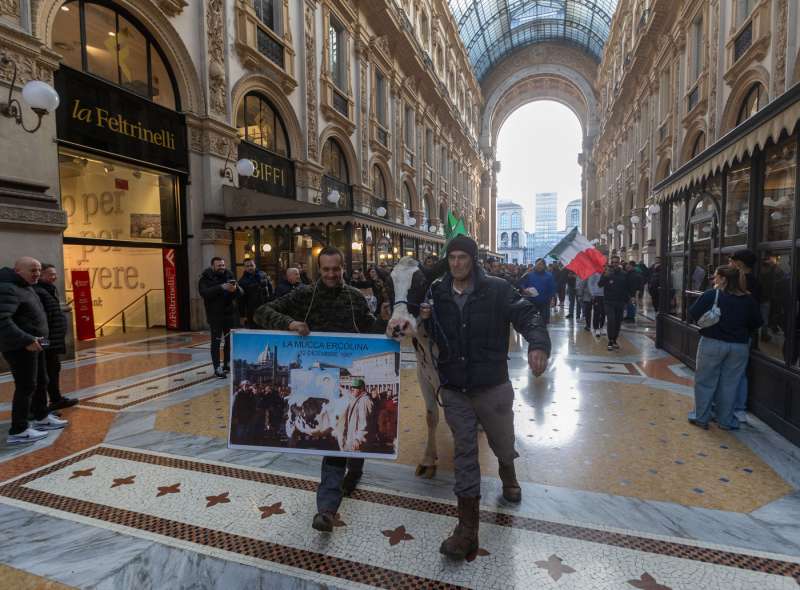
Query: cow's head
410,287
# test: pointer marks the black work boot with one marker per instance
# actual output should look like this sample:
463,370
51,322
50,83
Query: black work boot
512,491
464,539
323,522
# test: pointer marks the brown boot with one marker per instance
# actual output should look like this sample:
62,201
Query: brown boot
464,539
512,492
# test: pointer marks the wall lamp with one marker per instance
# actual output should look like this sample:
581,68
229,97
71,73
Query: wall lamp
41,97
244,168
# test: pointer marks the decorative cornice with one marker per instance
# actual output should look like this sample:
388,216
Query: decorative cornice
32,218
172,7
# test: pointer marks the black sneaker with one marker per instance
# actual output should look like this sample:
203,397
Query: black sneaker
323,522
64,402
220,372
610,347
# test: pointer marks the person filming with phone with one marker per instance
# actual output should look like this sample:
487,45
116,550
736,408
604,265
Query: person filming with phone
220,293
23,339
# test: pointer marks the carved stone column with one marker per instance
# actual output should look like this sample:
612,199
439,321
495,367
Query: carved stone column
217,75
312,103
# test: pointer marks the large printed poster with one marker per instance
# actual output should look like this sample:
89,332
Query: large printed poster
324,394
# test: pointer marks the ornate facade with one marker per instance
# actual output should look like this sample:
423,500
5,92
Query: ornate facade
376,103
674,79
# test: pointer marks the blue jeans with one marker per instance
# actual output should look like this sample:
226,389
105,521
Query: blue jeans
329,492
720,368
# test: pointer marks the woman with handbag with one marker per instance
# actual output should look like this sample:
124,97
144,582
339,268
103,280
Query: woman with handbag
726,316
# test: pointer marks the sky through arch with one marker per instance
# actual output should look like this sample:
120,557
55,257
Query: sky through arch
538,147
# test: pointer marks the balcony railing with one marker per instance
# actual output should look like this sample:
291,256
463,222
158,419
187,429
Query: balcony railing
743,41
270,48
329,186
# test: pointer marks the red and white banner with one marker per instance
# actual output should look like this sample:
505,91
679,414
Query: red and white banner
171,289
82,301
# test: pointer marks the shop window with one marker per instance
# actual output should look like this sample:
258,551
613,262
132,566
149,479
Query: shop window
677,226
737,205
259,123
107,200
675,283
336,54
775,279
107,43
702,248
755,99
777,203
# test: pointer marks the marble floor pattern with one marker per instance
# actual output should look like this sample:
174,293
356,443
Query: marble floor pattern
141,490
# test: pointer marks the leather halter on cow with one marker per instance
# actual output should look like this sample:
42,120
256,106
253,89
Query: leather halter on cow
411,285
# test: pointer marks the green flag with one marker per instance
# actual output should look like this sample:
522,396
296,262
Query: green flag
452,228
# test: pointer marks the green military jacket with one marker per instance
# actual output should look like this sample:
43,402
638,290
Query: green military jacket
339,309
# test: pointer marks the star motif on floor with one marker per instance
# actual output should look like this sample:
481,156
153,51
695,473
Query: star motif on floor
123,481
555,567
479,552
647,582
218,499
82,473
397,535
267,511
164,490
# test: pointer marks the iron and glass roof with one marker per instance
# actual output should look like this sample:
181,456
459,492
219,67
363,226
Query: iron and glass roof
492,28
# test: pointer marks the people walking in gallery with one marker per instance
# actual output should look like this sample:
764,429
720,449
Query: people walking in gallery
616,295
724,347
539,287
654,283
57,335
23,338
598,305
328,305
220,293
471,315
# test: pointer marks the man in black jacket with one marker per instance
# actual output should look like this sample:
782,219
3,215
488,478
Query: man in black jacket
472,314
57,329
257,291
23,335
219,291
288,283
616,295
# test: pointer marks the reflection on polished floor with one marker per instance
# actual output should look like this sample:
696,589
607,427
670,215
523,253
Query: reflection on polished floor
619,491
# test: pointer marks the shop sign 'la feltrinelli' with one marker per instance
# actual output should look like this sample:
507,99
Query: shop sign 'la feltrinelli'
118,124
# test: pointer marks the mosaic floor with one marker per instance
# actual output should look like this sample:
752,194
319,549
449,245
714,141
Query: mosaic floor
141,491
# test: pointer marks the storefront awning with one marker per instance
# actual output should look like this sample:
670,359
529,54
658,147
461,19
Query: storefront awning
248,209
768,124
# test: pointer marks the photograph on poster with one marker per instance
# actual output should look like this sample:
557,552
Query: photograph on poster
324,394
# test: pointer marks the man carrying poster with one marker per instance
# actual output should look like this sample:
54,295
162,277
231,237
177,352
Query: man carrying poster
328,305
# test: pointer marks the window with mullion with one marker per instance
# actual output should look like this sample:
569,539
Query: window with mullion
336,53
269,13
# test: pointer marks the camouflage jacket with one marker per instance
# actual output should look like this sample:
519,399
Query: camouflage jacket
340,309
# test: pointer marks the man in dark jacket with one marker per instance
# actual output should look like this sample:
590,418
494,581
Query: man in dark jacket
219,291
57,329
654,283
329,305
472,314
289,282
257,290
616,295
539,287
23,336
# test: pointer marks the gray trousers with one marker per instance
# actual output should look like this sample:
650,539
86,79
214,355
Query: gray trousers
493,408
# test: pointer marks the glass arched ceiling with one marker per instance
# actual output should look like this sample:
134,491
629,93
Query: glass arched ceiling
492,28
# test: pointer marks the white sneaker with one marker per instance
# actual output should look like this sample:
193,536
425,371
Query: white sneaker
50,422
28,436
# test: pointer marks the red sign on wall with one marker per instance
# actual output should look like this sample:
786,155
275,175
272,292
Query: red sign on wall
171,289
82,300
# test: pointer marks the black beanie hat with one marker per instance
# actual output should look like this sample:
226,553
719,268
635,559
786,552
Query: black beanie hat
464,244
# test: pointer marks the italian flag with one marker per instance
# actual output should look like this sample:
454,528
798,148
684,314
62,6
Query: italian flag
578,255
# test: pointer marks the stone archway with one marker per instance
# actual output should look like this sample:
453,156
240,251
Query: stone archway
545,71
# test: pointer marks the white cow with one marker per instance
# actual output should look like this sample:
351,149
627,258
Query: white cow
410,287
